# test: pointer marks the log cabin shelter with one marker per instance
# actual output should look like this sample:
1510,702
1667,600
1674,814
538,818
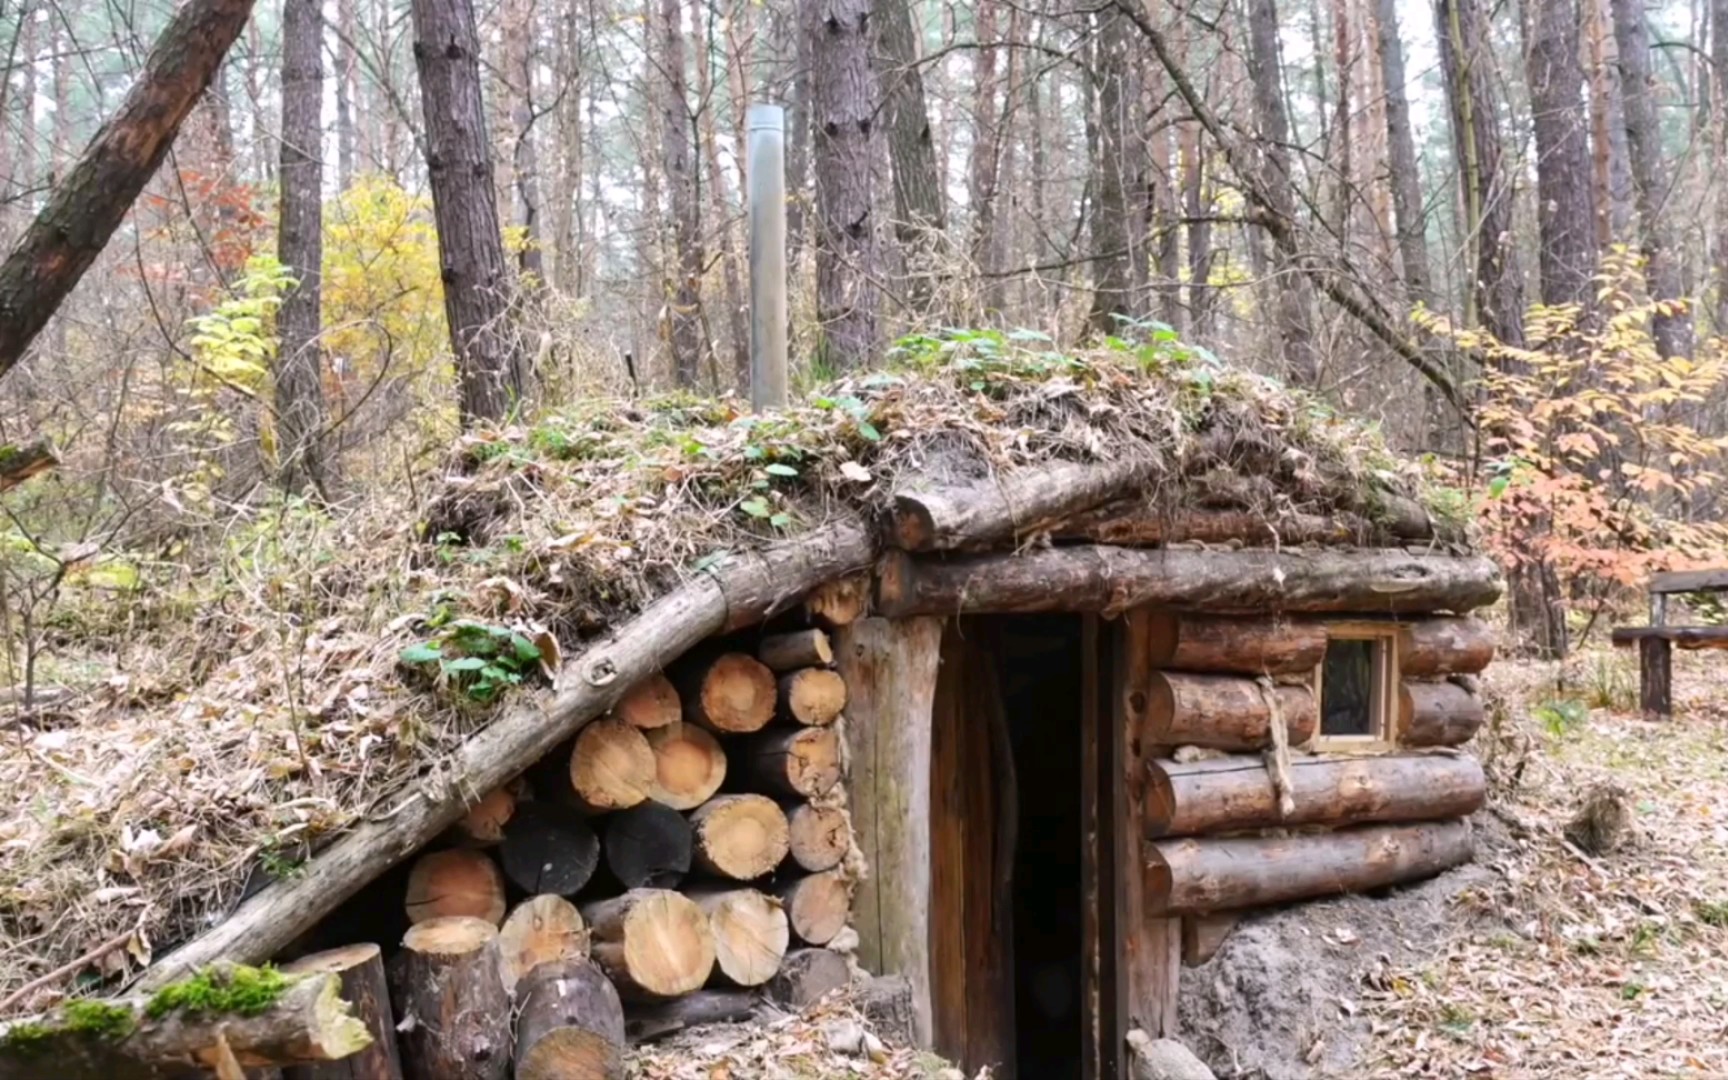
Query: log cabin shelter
1114,677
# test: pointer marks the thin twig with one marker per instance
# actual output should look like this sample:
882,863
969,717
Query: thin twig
65,969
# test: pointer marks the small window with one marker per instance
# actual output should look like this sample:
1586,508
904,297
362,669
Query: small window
1357,685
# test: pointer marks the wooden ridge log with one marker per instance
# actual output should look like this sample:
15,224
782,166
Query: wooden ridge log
1112,579
612,766
645,1023
813,696
1136,523
1224,712
569,1025
453,1016
816,906
808,975
795,763
1243,646
1437,714
549,848
360,970
689,765
742,590
818,837
751,933
731,693
1430,648
648,846
1236,793
651,703
456,882
1197,875
653,943
739,836
483,824
1008,505
308,1021
798,649
543,929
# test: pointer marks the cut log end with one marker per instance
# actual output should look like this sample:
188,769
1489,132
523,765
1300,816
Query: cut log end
807,976
813,696
549,848
483,825
652,942
651,703
612,766
571,1054
541,930
689,765
817,906
732,693
451,935
840,602
751,933
460,882
819,836
648,846
360,972
799,649
798,763
740,836
570,1025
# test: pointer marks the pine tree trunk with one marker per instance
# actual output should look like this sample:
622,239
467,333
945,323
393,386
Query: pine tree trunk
683,295
844,106
300,247
1118,228
345,103
1566,215
519,77
1406,177
490,368
1719,62
1672,329
1608,129
918,204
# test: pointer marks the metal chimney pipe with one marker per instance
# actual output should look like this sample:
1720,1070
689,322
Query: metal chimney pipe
765,179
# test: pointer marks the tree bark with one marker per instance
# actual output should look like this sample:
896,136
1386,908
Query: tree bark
751,934
1202,875
449,998
1243,646
1108,579
683,286
1719,66
1233,794
83,211
1134,523
543,929
308,1022
300,248
1401,164
919,219
1436,714
645,1023
808,975
844,115
1566,212
652,943
1672,325
794,650
490,367
360,970
741,837
1429,648
649,846
1611,159
1224,712
570,1025
933,517
1119,256
519,39
797,763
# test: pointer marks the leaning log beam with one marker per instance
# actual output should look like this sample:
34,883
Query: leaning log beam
306,1021
1005,507
1237,793
1204,874
1113,579
742,591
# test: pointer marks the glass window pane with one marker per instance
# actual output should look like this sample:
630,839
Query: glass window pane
1347,688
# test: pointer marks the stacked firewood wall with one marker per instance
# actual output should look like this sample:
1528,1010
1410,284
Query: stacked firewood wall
1244,810
683,855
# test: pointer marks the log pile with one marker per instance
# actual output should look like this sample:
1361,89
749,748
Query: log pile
680,857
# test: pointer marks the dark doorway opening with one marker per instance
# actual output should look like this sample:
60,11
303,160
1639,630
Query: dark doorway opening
1040,665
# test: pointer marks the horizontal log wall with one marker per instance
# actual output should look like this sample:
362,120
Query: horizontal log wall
1198,875
1437,713
1238,793
1225,712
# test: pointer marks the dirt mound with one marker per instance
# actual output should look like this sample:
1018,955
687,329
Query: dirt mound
1281,999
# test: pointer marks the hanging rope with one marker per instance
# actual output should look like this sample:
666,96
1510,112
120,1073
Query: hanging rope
1278,754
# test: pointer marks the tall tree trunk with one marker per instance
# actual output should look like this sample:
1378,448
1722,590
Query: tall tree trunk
1466,65
1719,62
345,104
84,210
1164,204
919,216
1405,176
1295,325
564,217
1198,206
793,25
519,77
1672,329
843,107
1119,256
490,367
737,307
1610,158
683,290
1566,215
300,247
1345,59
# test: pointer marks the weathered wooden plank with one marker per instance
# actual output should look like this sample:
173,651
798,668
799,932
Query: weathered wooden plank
890,667
1686,637
1683,581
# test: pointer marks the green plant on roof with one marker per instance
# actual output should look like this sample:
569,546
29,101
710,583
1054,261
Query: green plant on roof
237,989
483,660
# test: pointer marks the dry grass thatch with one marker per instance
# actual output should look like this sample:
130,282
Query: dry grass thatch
255,718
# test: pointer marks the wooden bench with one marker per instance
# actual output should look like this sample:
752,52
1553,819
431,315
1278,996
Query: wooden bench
1656,642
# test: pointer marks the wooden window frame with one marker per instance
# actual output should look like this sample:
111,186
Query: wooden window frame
1384,703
